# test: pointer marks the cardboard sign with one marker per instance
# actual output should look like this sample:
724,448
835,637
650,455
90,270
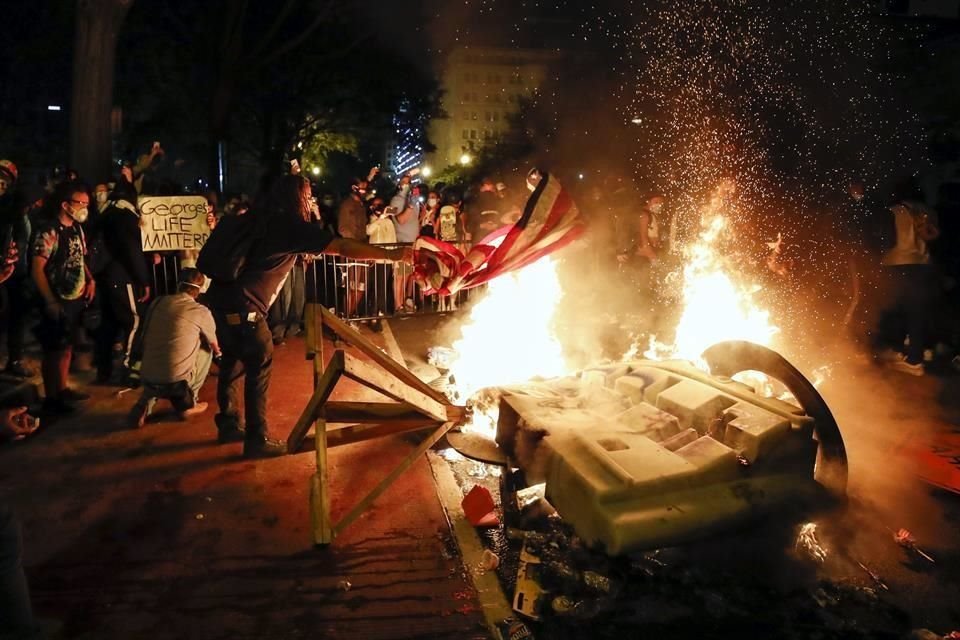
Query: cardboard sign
172,223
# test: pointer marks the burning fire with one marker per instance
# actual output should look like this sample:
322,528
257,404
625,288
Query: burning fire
509,337
715,307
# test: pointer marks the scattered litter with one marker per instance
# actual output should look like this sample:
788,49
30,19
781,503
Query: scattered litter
479,508
199,516
807,542
531,494
513,629
529,596
441,357
874,576
906,540
344,585
489,560
452,455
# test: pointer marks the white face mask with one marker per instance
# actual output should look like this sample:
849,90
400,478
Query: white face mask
432,202
80,215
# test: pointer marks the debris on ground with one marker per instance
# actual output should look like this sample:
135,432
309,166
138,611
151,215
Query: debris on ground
514,629
906,540
874,576
344,585
808,544
479,508
489,560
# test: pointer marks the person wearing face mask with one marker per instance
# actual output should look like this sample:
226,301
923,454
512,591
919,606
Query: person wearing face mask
125,280
63,280
429,215
101,195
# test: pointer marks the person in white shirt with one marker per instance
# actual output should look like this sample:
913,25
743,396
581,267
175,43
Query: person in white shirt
179,343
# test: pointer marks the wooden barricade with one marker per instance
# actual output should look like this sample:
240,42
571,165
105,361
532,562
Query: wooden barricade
416,405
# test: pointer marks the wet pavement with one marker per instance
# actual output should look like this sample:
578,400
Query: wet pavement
163,533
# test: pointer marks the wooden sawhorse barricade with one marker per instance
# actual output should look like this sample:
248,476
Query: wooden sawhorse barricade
416,406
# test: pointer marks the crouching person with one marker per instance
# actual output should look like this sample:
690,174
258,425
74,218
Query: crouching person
178,344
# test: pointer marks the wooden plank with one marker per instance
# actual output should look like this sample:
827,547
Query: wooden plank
384,484
359,432
323,390
311,320
367,412
392,387
321,523
343,412
376,354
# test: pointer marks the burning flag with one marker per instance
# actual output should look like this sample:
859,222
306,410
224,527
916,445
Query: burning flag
549,222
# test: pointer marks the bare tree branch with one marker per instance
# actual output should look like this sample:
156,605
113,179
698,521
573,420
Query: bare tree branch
293,43
274,28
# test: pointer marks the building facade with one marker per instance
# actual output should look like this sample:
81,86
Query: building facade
483,88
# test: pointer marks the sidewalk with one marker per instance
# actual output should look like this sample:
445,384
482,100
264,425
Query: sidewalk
163,533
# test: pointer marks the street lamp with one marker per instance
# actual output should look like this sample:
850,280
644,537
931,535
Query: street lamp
465,159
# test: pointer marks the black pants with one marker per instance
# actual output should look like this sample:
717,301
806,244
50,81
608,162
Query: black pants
247,351
17,614
910,293
120,316
17,309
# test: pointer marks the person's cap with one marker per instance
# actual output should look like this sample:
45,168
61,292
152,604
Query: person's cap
191,278
9,170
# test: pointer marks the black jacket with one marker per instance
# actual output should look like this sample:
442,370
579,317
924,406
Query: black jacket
124,262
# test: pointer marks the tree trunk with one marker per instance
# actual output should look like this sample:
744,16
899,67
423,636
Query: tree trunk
98,23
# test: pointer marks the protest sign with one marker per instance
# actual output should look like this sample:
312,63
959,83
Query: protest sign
172,223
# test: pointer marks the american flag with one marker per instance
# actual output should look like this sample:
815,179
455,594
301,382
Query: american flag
549,222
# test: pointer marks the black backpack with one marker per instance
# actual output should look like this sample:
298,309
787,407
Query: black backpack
225,253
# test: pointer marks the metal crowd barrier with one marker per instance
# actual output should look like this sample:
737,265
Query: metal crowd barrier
352,289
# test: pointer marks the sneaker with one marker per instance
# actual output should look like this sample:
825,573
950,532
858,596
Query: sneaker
138,415
72,395
266,448
17,369
195,410
905,367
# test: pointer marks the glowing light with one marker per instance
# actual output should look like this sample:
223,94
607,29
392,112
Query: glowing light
53,107
426,171
716,307
636,120
509,337
315,171
465,159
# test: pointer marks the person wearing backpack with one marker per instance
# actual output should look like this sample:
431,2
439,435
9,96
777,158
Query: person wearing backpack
248,261
63,280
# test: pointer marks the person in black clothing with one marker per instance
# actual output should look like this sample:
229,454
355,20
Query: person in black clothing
240,307
15,234
124,279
